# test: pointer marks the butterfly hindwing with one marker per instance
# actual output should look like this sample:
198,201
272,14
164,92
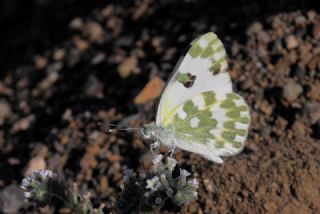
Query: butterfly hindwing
212,123
202,69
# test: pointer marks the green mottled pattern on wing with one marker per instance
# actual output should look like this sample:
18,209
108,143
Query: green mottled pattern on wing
231,106
209,46
183,78
233,113
199,134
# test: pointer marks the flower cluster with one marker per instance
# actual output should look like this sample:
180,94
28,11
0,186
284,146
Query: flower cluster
43,187
37,187
166,184
154,191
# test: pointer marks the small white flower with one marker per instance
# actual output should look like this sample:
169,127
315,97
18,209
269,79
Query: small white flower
157,160
45,174
195,194
194,183
171,163
184,173
158,200
33,180
25,183
27,194
153,183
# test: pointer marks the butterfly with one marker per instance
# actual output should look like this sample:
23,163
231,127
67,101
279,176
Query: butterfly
198,110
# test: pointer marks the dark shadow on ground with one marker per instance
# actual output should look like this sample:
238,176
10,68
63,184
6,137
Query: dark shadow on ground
30,27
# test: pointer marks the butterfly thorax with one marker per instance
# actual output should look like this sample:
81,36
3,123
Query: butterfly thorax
157,133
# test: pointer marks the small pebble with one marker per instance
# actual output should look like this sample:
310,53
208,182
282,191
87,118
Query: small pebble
5,109
291,42
291,91
150,92
313,110
298,128
35,164
11,199
59,54
40,62
255,28
316,30
127,66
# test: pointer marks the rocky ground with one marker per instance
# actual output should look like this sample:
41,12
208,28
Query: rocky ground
111,68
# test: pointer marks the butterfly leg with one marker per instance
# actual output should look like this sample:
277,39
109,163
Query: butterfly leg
154,147
173,144
171,151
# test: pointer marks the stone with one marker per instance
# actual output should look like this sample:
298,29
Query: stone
97,59
4,90
59,54
11,199
81,44
281,124
291,42
316,30
313,110
255,28
51,78
291,91
94,87
5,109
76,23
150,92
127,66
311,15
270,206
35,164
140,10
265,107
40,62
208,185
298,128
23,124
314,92
95,32
107,11
301,20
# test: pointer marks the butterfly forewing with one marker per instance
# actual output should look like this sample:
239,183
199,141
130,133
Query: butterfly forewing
198,106
212,123
202,69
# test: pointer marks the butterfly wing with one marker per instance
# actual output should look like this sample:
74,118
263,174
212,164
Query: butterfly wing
213,124
202,69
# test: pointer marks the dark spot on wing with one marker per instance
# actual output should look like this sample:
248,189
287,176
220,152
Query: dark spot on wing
186,79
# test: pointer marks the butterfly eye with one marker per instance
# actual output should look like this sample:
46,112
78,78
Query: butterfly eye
145,132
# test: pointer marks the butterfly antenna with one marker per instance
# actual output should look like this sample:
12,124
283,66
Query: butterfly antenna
107,128
125,129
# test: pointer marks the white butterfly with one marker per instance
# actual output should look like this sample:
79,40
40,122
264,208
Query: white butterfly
198,111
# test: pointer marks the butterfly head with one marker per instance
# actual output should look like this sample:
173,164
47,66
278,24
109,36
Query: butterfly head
149,131
145,132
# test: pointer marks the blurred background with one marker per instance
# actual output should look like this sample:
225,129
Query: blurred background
66,65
